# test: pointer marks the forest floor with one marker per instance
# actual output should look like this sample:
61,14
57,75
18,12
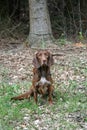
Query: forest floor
69,72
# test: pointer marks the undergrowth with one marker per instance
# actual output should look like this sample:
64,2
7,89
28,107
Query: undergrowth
12,112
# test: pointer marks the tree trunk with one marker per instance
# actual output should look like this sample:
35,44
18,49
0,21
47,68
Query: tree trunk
40,26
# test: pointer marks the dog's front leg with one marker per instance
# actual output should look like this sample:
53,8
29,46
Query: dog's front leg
35,97
50,92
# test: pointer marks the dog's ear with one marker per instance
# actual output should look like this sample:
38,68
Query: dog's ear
35,61
50,59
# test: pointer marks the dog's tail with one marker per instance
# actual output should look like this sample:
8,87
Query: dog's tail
26,95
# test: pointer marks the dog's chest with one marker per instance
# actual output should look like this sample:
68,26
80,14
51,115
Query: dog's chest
43,86
43,80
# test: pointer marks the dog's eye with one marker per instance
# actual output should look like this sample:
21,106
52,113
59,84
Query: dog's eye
39,55
46,54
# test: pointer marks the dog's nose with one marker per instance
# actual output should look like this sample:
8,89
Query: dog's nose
44,61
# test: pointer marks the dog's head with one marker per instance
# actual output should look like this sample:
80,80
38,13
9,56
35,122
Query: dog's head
43,58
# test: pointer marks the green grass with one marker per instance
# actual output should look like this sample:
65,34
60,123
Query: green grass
12,112
70,100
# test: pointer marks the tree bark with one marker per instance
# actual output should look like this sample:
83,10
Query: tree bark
40,26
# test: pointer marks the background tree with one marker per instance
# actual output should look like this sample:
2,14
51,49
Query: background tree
68,19
40,26
14,9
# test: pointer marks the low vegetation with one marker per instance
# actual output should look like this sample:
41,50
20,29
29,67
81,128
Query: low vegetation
69,110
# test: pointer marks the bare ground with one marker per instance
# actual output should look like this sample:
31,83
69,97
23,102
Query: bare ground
16,67
16,61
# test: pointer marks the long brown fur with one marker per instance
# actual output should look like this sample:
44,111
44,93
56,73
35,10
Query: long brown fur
42,81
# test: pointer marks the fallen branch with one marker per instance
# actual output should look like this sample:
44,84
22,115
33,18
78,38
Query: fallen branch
58,54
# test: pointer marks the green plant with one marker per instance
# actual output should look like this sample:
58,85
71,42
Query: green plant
80,36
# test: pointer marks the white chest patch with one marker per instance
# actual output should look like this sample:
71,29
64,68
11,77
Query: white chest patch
43,80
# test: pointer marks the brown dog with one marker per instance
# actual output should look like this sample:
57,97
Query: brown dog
42,81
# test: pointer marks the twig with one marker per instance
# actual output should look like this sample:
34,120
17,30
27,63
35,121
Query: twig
57,54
